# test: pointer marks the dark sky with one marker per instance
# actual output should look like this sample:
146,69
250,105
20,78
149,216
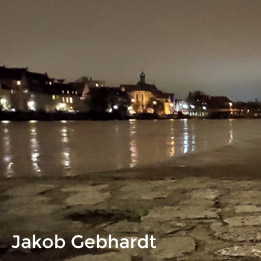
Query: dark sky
182,45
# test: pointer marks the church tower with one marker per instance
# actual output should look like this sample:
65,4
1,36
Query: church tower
142,77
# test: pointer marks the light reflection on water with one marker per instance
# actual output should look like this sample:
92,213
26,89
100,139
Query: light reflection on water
76,148
7,157
133,145
35,153
66,153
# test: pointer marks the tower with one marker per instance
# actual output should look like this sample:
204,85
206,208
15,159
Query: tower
142,77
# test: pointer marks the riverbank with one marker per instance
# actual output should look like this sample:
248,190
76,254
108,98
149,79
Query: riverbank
203,206
93,116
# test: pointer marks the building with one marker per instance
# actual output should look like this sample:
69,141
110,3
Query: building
146,98
199,104
22,90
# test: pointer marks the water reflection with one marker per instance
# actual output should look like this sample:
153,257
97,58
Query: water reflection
75,148
35,153
117,142
66,152
231,131
186,137
193,137
133,144
7,157
172,140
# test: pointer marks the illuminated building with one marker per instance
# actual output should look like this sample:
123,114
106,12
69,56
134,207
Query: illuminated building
146,98
22,90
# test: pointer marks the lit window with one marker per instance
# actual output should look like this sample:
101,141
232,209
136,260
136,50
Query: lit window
72,92
68,92
53,97
31,105
67,99
12,91
75,92
97,85
62,91
71,100
18,82
63,99
50,83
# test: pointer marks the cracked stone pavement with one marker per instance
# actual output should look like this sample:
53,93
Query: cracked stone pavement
191,218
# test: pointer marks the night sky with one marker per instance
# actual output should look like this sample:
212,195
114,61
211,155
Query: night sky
182,45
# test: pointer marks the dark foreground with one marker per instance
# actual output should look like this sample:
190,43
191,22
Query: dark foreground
205,206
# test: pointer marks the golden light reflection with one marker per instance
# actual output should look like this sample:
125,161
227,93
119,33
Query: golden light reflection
66,153
231,131
133,145
172,141
7,157
35,154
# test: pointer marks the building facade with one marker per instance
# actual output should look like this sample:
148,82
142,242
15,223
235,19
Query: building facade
146,98
22,90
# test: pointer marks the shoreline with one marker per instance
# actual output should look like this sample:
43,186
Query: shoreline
93,116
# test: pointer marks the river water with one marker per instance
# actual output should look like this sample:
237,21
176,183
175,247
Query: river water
79,147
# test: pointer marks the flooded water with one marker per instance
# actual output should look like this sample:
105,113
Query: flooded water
76,148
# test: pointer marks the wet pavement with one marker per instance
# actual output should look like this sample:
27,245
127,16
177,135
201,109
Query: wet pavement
191,218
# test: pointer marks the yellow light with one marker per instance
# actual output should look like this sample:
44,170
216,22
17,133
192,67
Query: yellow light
3,101
18,82
53,97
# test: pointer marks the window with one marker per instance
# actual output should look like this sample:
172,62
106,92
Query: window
53,97
76,92
63,99
62,91
68,92
67,99
18,82
71,100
